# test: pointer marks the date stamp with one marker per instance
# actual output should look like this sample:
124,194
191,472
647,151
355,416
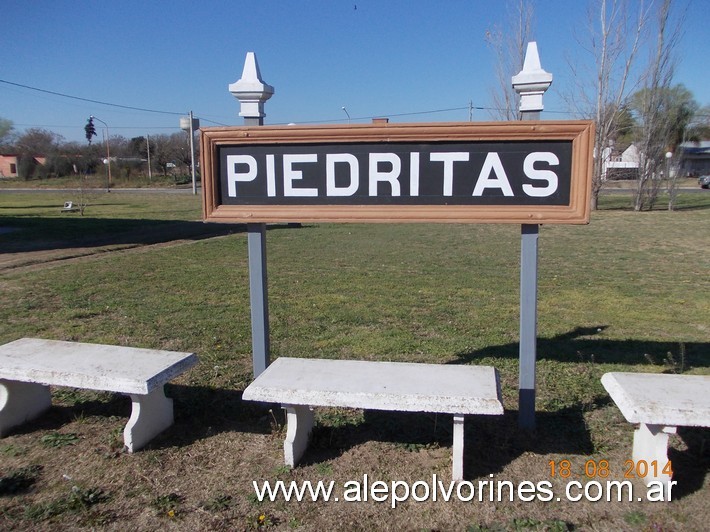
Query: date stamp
602,469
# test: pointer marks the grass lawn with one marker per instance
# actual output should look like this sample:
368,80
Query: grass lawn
628,292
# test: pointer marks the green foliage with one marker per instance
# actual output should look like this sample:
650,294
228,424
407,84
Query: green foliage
90,129
218,503
168,505
79,499
635,517
6,127
57,439
524,524
676,107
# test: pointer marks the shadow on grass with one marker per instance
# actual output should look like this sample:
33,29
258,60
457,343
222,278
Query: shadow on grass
691,465
63,233
199,411
579,345
491,442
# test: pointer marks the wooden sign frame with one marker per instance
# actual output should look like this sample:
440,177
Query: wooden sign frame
576,211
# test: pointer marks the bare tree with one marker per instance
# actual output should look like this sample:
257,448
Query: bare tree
508,44
656,130
616,34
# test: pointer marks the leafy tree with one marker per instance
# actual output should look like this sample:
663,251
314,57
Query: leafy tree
138,146
36,141
90,129
32,143
699,127
676,108
165,150
6,131
624,128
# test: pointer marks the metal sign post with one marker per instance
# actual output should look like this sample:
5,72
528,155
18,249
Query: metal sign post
531,83
252,92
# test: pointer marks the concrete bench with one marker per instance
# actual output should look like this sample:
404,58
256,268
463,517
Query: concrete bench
69,207
299,384
659,403
29,366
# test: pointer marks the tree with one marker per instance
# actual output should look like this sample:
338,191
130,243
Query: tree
508,45
661,132
138,146
652,110
675,105
32,143
603,78
90,129
624,128
699,127
36,141
6,131
167,150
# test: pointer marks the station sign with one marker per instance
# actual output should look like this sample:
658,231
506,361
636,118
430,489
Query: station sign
497,172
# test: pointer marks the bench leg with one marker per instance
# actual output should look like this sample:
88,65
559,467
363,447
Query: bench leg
299,423
20,402
651,445
151,415
457,449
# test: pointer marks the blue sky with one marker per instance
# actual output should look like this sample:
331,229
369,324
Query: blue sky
377,58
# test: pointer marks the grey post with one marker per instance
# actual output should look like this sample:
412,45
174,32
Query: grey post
252,92
531,83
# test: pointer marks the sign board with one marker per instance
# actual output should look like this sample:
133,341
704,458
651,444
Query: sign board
497,172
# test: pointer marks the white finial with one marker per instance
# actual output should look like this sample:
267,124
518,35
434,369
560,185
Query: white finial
250,89
532,81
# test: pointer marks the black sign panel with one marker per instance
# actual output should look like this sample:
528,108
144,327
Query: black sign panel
486,172
442,173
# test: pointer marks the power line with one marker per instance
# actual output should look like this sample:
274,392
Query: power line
90,100
395,115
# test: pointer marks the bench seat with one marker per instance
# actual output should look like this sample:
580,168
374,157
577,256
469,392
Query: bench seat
30,365
299,384
659,403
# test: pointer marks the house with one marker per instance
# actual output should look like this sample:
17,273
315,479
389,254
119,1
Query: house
10,164
695,158
624,166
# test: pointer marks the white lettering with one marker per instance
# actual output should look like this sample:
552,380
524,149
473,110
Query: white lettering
414,173
270,176
377,175
448,159
291,174
471,491
233,175
330,161
379,491
524,488
545,175
491,165
568,489
399,498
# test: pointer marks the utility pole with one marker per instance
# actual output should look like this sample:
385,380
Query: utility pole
108,152
150,171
